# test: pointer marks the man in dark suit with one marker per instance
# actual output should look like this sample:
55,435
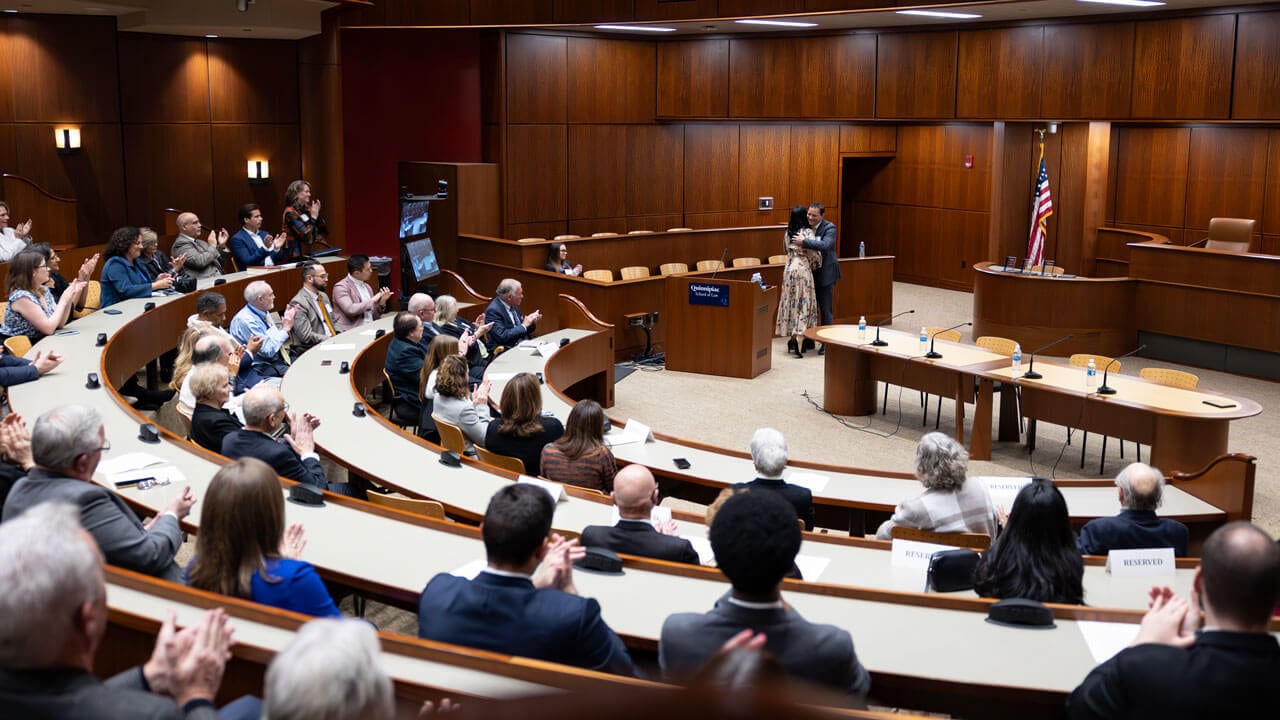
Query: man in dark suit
824,277
510,325
755,538
635,493
424,307
769,454
313,323
524,603
264,412
1180,665
1141,488
53,613
253,247
66,445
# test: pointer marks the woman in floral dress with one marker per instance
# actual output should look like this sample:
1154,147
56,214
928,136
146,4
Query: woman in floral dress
798,305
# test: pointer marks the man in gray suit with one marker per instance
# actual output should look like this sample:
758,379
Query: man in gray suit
67,443
755,538
314,322
53,613
203,257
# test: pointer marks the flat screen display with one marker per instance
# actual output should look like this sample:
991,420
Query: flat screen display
422,258
413,218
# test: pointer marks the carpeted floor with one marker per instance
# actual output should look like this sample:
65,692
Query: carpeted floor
725,412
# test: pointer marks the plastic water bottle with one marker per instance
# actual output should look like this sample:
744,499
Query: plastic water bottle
862,249
862,328
1091,376
924,340
1017,357
755,278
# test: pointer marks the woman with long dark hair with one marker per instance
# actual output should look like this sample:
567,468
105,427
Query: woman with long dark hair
798,301
1035,556
244,550
558,260
580,456
523,431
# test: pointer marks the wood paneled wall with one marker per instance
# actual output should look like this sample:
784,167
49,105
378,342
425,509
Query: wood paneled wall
1172,180
164,121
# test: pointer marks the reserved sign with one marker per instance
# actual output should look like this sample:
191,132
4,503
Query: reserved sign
913,553
714,294
1147,562
1003,490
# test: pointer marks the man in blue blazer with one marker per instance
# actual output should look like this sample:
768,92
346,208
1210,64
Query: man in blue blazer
824,277
524,603
1141,488
755,538
635,493
510,325
264,412
252,246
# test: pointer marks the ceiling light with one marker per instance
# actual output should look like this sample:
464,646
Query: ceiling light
939,14
211,36
636,28
778,23
1128,3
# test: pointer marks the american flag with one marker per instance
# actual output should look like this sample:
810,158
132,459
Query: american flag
1041,209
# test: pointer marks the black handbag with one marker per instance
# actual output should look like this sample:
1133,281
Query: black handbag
184,283
951,570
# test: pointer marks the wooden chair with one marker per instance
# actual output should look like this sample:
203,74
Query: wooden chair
184,416
777,259
671,268
639,232
398,411
506,462
634,272
704,265
531,239
604,234
18,345
941,334
451,437
1170,377
1101,362
414,506
746,262
92,300
600,275
977,541
1230,234
679,229
560,238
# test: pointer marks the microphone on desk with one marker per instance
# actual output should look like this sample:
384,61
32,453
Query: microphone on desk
1031,373
723,253
933,354
1107,389
881,343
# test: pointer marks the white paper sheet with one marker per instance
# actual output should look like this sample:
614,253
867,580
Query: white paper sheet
555,490
813,481
128,461
1105,639
335,347
471,569
811,566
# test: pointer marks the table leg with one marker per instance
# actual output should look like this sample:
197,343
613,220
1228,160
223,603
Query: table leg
980,447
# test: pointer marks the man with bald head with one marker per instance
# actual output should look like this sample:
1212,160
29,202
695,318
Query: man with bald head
635,493
203,257
1140,488
1184,664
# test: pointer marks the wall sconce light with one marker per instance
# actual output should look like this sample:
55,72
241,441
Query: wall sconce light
67,140
259,171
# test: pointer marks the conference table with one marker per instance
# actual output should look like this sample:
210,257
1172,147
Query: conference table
1186,429
908,640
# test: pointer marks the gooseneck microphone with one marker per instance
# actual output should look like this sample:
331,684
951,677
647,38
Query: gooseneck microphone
722,254
1031,373
881,343
933,354
1107,389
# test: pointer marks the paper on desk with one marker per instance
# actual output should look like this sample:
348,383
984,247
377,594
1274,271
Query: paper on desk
546,349
1003,490
370,331
335,347
128,461
634,432
470,570
1105,639
657,514
702,546
555,490
813,481
811,566
528,344
171,473
499,376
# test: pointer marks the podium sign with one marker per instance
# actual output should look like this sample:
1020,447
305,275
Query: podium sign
713,294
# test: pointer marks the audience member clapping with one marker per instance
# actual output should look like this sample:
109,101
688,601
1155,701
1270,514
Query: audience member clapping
211,385
455,404
32,310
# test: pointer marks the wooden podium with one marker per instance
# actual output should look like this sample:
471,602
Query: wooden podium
719,326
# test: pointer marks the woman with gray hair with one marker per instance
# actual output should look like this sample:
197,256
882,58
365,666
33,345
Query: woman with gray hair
949,502
331,670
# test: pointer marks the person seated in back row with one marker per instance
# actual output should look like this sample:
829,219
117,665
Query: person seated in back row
1141,488
634,494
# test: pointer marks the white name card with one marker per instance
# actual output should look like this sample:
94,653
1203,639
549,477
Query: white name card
1141,563
634,432
913,553
1004,490
813,481
555,490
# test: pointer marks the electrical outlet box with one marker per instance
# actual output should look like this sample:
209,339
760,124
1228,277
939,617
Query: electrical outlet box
766,203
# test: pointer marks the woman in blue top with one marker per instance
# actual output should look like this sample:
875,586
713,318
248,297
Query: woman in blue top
244,550
32,310
122,276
